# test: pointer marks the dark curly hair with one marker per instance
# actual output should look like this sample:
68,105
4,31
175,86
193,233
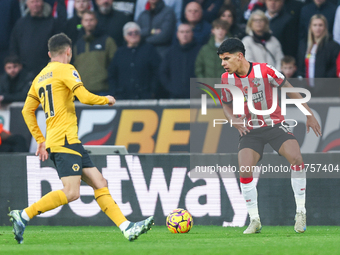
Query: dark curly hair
231,45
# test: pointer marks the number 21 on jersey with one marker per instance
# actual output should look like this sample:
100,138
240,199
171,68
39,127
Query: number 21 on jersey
48,103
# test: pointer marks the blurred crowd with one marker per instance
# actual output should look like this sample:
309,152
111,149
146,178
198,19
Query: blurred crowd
149,49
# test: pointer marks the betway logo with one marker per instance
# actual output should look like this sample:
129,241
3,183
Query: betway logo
147,195
257,97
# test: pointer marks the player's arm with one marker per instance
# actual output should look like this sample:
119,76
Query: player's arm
236,122
28,112
311,120
87,97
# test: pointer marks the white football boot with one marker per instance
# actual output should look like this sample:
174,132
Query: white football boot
254,226
19,225
300,222
136,229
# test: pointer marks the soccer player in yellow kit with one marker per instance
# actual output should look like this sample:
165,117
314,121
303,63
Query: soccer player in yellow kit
54,88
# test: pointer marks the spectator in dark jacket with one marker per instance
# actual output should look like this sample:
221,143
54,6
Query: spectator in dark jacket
317,58
92,55
133,72
73,27
227,13
111,21
9,14
293,7
158,25
15,82
282,26
201,28
210,9
178,66
30,36
176,5
324,7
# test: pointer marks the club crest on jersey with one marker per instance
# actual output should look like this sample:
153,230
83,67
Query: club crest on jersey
256,82
75,167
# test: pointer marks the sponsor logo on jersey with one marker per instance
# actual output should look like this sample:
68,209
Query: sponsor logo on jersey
75,74
257,97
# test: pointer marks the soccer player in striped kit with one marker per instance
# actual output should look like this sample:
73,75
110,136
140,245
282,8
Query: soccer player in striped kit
262,78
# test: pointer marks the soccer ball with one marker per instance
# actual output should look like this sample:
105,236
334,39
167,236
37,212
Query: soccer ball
179,221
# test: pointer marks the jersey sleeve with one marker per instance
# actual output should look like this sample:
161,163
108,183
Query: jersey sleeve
275,78
71,77
31,104
32,93
87,97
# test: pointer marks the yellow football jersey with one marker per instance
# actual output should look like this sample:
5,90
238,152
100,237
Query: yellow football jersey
55,87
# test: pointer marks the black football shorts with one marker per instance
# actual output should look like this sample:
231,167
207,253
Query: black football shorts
69,164
257,138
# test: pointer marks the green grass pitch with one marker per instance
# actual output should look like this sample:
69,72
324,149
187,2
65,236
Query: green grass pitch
41,240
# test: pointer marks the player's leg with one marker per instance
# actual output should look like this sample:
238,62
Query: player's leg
290,149
247,159
48,202
56,198
131,230
95,179
69,170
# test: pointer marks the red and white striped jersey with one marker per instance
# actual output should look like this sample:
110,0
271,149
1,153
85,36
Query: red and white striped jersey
261,78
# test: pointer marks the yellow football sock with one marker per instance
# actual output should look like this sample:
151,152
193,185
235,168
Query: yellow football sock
109,206
48,202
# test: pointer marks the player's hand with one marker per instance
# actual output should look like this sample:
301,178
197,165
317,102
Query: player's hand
112,100
42,152
238,123
314,124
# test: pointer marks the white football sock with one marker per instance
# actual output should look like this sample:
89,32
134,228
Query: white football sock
298,180
124,225
249,193
24,215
